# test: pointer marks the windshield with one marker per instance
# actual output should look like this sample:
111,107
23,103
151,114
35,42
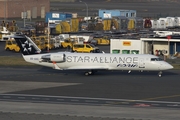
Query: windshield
92,45
156,59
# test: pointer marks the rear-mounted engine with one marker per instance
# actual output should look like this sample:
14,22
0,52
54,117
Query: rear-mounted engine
53,58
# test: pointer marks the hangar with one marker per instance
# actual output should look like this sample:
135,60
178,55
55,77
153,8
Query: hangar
157,46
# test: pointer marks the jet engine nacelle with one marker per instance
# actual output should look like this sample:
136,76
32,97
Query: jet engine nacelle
54,58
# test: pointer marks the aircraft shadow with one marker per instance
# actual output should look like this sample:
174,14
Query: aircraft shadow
107,72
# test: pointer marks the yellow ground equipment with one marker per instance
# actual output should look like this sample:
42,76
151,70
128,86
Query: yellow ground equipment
49,44
11,45
68,43
68,26
131,24
107,24
40,43
103,41
86,48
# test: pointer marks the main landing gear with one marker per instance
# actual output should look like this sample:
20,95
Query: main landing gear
160,73
91,72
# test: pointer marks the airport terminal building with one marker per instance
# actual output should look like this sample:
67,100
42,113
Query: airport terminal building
24,8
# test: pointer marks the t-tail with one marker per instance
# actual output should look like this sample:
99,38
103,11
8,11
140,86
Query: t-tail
27,46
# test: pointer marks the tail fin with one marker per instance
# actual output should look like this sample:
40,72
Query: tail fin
27,46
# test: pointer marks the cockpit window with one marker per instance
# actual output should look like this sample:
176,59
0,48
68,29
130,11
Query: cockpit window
156,59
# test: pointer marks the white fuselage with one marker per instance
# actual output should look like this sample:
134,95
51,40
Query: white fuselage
98,61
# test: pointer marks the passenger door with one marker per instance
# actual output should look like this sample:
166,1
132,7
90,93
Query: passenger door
141,63
87,48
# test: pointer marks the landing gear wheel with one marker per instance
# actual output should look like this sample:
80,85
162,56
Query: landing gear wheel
89,72
7,49
160,73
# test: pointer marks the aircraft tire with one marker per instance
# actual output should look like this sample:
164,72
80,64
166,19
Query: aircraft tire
7,49
86,73
160,73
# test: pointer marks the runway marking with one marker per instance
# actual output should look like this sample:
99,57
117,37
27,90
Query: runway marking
6,97
90,101
21,97
60,99
14,86
74,100
17,76
45,99
144,100
155,98
35,98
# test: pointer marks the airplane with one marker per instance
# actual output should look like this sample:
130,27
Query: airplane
90,62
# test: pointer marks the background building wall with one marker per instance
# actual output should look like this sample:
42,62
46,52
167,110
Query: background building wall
13,8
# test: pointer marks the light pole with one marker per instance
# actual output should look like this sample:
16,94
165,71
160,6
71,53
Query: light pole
24,15
86,10
5,6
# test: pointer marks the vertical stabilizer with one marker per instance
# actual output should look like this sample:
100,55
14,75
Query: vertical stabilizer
27,46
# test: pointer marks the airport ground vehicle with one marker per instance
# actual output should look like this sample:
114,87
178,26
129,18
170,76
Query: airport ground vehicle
67,43
49,44
102,41
40,43
85,48
11,45
56,42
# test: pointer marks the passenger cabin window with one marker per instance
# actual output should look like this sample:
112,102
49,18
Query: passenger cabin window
156,59
92,45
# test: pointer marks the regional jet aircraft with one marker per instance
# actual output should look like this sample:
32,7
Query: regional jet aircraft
90,62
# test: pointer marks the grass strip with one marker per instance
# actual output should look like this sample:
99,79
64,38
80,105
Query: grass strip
14,61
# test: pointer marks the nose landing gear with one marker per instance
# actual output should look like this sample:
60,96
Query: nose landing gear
160,73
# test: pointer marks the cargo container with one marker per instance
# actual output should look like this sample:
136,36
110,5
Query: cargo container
147,23
170,22
52,17
131,24
177,22
125,46
74,24
122,22
40,27
155,24
162,23
104,14
107,24
138,23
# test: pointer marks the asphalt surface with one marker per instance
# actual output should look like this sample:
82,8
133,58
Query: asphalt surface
46,93
42,93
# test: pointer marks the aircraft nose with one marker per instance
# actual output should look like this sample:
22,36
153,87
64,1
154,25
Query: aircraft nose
167,67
